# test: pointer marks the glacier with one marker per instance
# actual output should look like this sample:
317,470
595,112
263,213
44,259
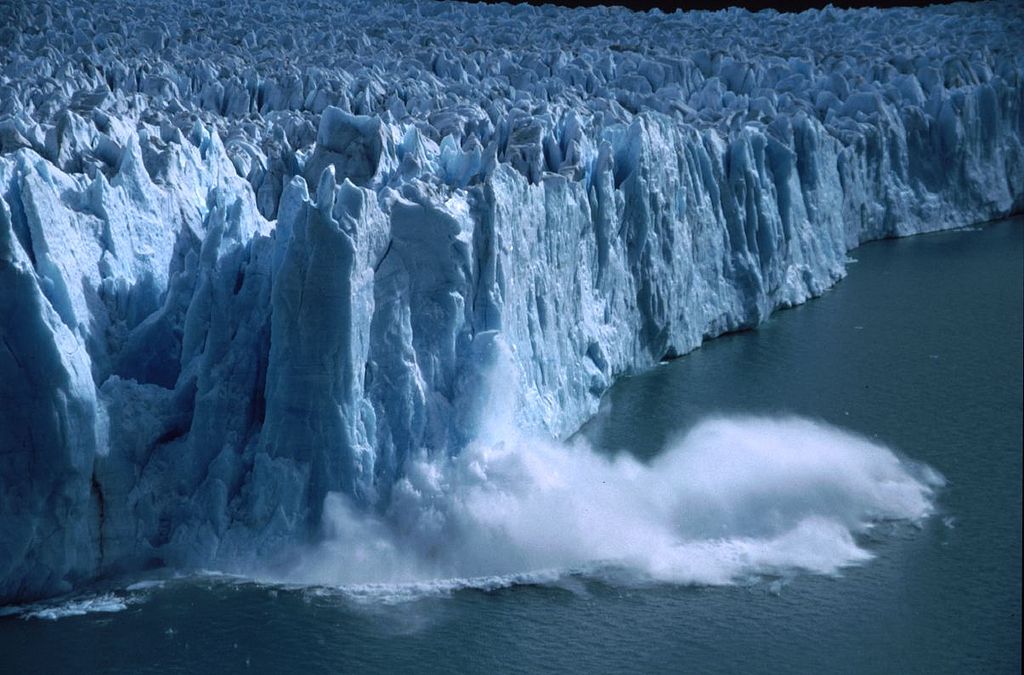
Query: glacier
256,255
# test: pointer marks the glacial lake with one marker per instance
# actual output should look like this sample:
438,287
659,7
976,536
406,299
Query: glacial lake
919,348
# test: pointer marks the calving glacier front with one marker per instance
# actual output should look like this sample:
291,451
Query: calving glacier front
247,263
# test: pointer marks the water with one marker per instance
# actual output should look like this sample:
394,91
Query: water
919,348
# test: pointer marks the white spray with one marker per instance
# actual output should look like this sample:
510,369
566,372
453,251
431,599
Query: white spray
732,498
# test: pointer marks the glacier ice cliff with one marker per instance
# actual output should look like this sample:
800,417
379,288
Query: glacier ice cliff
256,253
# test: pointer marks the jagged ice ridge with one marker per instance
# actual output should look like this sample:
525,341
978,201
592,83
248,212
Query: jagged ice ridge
255,253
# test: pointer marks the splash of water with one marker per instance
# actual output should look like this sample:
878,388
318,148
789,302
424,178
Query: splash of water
732,498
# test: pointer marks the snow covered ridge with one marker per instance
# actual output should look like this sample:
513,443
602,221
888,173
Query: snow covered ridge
255,252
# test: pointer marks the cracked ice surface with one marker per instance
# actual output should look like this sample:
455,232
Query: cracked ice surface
252,253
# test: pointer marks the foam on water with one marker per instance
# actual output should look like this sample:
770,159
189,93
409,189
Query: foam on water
65,607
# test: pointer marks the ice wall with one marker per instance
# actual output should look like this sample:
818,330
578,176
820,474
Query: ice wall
255,252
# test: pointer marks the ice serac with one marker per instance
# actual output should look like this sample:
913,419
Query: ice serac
249,260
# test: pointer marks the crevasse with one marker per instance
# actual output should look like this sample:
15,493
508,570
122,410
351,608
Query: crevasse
254,254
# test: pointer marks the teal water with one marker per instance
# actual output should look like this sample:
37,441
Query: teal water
919,348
